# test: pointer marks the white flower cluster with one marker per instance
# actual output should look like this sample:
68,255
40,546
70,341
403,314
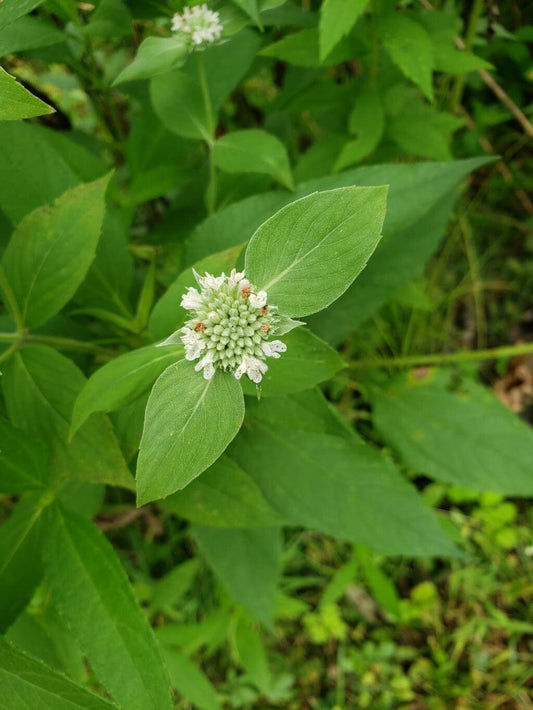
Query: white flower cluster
229,327
198,25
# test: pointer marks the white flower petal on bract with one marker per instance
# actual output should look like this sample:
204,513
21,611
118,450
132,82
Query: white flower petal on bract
255,369
236,277
191,300
274,348
258,300
213,283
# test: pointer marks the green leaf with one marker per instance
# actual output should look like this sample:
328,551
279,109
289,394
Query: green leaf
178,101
253,151
367,121
20,561
345,488
309,252
11,10
52,249
103,613
28,33
189,680
252,655
307,362
173,586
302,49
251,8
17,102
28,683
24,461
110,277
32,171
178,97
168,315
189,422
110,19
412,231
423,131
154,56
443,27
224,496
467,438
337,17
40,388
247,562
120,381
410,48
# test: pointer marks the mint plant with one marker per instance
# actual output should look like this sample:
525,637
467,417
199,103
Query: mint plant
208,327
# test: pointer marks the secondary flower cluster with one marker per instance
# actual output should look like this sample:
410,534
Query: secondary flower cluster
229,327
198,25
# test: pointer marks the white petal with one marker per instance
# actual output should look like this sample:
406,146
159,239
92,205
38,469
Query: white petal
258,300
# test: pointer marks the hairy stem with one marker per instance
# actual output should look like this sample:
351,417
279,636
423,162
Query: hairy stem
443,358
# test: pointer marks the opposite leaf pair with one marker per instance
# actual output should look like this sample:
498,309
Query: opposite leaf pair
304,258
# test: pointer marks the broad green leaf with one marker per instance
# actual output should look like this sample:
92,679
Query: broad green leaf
423,131
178,101
24,461
173,586
189,680
110,277
103,613
28,683
412,231
367,122
20,561
307,362
337,17
252,655
466,437
247,562
32,173
18,102
410,48
168,315
443,27
120,381
28,33
52,249
111,18
40,388
189,422
309,252
11,10
251,8
344,487
302,49
188,105
42,633
154,56
253,151
223,496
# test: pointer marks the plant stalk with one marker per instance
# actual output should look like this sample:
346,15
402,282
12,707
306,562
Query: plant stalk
443,358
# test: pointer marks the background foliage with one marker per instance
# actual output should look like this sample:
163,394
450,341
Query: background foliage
365,541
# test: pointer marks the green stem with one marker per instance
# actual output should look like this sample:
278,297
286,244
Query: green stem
11,301
207,99
211,192
443,358
475,12
25,338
